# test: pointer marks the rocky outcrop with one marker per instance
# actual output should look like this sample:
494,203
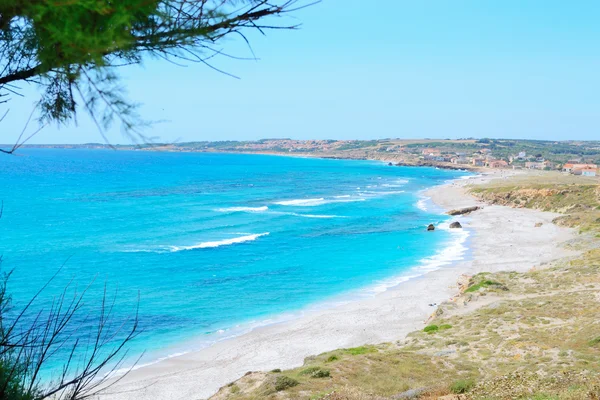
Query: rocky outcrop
455,225
538,224
430,227
463,211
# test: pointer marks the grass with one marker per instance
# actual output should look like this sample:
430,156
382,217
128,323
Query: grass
355,351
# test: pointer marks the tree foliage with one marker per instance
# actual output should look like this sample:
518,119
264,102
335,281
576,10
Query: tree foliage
72,47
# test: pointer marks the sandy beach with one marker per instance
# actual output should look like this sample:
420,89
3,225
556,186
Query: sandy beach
501,238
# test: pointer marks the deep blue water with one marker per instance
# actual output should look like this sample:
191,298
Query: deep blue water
213,243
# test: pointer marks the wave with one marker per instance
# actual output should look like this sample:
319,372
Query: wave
381,192
451,253
243,209
316,202
315,215
422,204
219,243
247,237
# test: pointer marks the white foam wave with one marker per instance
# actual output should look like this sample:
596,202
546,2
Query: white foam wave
382,192
243,209
316,202
422,204
453,252
316,216
301,202
219,243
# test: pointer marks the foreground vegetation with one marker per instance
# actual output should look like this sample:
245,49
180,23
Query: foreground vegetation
508,335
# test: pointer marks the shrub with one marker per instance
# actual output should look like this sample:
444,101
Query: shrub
234,389
484,284
595,341
315,372
276,370
284,382
321,373
445,326
462,386
431,328
309,370
332,358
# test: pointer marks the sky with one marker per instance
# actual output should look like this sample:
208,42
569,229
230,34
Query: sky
377,69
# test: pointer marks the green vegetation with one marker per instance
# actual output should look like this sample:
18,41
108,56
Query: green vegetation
483,284
462,386
360,350
431,328
284,382
73,49
595,341
315,372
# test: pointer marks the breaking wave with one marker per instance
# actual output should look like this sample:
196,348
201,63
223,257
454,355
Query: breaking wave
219,243
316,202
242,209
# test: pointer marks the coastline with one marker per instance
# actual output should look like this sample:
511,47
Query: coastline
386,317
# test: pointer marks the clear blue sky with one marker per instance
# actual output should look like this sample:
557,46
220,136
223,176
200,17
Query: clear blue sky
377,69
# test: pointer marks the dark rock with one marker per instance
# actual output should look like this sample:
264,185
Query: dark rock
390,164
430,227
463,211
455,224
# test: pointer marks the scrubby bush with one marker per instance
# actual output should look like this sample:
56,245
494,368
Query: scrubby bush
445,326
316,372
284,382
595,341
431,328
484,284
332,358
462,386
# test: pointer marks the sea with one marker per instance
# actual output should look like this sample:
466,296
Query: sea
203,247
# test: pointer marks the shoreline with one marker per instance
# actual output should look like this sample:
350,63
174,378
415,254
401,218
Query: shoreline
388,316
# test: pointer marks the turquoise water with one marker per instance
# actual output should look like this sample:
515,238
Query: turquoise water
214,243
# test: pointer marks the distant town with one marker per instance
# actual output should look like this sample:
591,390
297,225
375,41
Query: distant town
574,157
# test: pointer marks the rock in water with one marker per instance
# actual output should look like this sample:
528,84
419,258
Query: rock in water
430,227
455,224
390,164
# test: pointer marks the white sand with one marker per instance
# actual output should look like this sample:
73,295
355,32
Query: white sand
501,238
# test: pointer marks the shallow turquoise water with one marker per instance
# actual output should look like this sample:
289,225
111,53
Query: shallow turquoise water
213,243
